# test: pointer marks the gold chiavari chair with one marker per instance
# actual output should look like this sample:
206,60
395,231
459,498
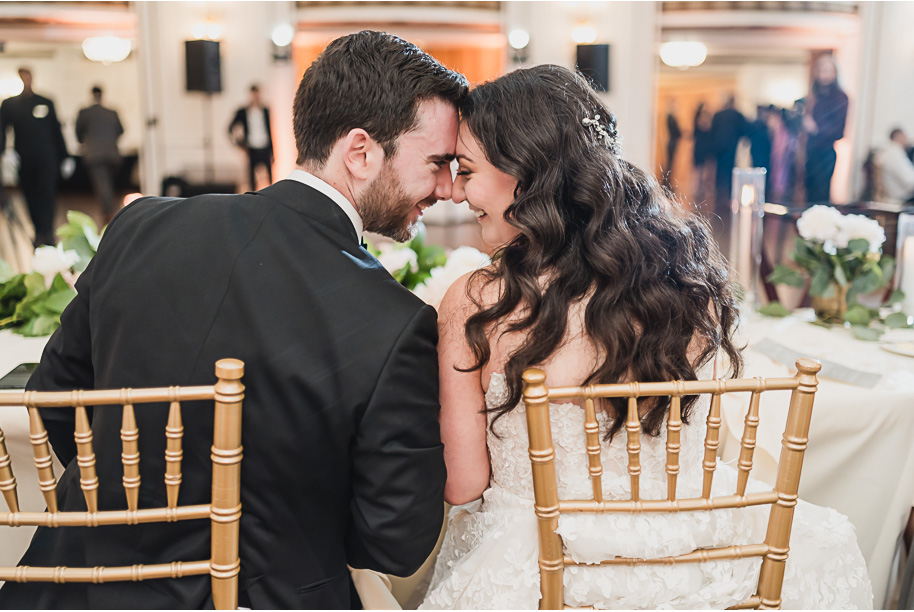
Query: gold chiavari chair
224,511
783,498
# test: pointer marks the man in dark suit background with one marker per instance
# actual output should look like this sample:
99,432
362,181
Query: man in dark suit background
343,459
250,130
97,129
41,149
727,128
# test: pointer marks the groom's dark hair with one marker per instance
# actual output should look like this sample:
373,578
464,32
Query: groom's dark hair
369,80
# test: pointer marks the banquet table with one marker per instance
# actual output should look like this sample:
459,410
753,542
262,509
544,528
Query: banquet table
860,458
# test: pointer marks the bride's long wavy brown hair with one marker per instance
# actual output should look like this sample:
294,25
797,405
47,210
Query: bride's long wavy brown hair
592,226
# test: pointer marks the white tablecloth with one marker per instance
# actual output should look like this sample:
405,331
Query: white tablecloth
14,422
860,459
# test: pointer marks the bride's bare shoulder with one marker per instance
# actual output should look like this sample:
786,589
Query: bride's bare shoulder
470,293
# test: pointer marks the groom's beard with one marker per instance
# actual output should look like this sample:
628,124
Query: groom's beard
385,208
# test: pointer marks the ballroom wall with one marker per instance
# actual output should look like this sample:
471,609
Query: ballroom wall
887,84
174,143
630,28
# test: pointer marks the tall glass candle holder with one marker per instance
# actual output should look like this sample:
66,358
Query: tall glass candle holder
904,256
746,204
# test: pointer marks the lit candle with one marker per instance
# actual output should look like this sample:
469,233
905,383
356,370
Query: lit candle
747,197
907,274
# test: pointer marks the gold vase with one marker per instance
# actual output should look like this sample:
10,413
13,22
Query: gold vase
831,309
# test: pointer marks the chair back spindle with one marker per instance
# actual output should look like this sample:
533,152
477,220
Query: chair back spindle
174,454
633,428
38,436
748,441
673,430
712,443
594,448
7,479
85,456
130,456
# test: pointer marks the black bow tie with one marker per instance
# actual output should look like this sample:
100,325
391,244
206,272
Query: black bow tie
363,244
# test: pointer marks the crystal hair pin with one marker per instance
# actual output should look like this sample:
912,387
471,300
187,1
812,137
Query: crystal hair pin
602,134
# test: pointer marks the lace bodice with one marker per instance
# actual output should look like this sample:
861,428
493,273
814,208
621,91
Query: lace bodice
511,462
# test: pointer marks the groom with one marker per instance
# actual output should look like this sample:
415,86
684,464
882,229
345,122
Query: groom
342,455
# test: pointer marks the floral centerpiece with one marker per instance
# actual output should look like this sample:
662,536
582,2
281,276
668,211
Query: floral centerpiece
31,303
428,270
842,257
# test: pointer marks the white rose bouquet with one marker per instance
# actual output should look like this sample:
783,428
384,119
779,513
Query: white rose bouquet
31,304
842,256
427,270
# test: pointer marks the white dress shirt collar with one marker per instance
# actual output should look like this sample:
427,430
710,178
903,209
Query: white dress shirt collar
331,192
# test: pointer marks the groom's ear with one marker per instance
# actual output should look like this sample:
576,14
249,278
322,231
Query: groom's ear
362,155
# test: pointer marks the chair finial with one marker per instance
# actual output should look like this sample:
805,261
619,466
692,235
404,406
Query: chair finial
232,369
808,366
533,376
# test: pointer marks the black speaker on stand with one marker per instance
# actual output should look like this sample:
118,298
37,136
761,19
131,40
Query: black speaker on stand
204,73
593,63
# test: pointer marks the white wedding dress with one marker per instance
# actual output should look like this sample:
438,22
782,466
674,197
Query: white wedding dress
489,556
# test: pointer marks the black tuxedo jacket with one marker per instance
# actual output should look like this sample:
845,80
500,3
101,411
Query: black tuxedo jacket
342,454
241,118
38,139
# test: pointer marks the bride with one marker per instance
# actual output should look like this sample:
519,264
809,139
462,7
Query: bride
597,278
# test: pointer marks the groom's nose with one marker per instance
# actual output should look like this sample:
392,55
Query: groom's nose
444,185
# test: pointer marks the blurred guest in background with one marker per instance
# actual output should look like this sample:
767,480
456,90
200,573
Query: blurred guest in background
97,129
727,127
897,169
41,149
783,149
674,134
702,155
250,130
760,143
823,120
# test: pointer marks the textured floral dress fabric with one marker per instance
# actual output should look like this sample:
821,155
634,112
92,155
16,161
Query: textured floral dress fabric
489,556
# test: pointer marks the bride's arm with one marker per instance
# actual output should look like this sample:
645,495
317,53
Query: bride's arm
463,424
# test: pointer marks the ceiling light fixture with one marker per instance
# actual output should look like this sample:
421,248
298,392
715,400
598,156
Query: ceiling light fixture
106,49
518,38
584,34
683,54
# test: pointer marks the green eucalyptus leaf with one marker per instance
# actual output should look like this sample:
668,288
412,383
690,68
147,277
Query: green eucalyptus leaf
58,284
869,334
784,275
896,298
887,266
34,284
41,326
897,320
57,302
840,276
774,309
6,271
858,315
867,283
859,245
821,282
